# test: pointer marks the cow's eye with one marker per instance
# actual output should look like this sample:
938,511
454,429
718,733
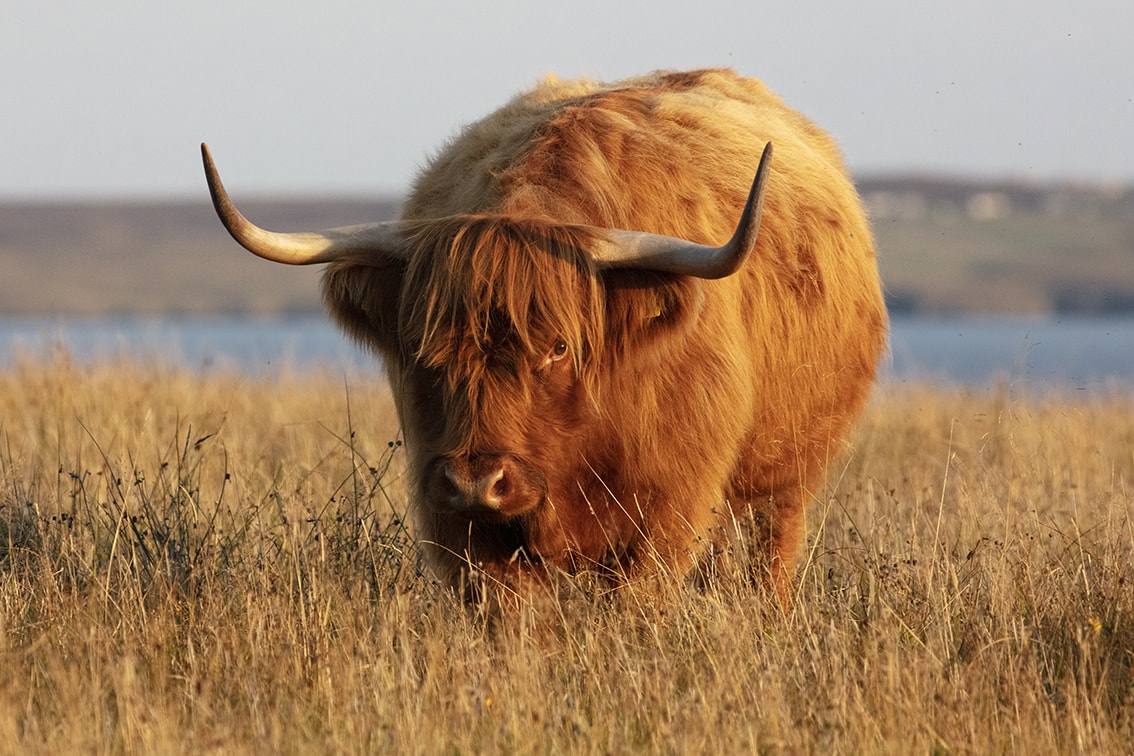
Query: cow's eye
558,351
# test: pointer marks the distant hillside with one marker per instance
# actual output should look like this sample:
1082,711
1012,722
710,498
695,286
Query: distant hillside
98,259
1000,247
944,246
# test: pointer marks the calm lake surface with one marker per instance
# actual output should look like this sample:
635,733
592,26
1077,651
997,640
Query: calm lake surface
1044,354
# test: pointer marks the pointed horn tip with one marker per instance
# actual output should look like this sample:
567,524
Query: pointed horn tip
754,207
211,173
761,177
230,217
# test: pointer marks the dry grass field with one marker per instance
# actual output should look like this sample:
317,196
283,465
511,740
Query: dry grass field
218,565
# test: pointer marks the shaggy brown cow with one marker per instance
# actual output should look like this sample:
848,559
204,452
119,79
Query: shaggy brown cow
574,395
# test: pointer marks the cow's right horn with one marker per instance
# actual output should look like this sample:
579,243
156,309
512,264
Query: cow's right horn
306,248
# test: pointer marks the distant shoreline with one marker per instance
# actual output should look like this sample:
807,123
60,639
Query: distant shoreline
1034,353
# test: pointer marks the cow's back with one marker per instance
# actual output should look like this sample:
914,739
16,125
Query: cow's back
670,153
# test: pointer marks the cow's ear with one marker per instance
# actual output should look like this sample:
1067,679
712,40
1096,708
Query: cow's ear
363,301
649,313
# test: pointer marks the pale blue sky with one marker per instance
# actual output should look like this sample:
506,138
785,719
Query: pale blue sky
112,98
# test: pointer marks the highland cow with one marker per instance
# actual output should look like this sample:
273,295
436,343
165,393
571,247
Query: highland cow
583,378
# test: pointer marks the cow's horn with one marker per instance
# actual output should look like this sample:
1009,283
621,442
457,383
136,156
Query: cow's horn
301,248
665,254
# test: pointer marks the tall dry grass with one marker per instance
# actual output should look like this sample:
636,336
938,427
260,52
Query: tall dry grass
219,564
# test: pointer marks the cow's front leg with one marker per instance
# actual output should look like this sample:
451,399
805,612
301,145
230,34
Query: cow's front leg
774,529
676,542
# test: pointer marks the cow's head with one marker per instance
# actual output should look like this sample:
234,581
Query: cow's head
496,330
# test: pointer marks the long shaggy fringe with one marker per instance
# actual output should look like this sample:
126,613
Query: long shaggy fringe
482,287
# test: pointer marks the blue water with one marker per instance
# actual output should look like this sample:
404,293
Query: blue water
1064,353
1044,354
249,345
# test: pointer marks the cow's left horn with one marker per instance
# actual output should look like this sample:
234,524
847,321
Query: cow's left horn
301,248
665,254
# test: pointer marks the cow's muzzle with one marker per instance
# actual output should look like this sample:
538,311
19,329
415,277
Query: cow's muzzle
488,486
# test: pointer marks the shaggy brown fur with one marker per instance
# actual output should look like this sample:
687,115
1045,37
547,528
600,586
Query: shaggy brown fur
630,412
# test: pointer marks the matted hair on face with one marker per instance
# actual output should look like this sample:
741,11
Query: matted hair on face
475,284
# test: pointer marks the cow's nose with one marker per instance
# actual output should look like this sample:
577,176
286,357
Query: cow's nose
479,486
494,486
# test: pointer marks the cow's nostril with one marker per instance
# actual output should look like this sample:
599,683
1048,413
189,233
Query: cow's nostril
493,488
496,489
454,484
